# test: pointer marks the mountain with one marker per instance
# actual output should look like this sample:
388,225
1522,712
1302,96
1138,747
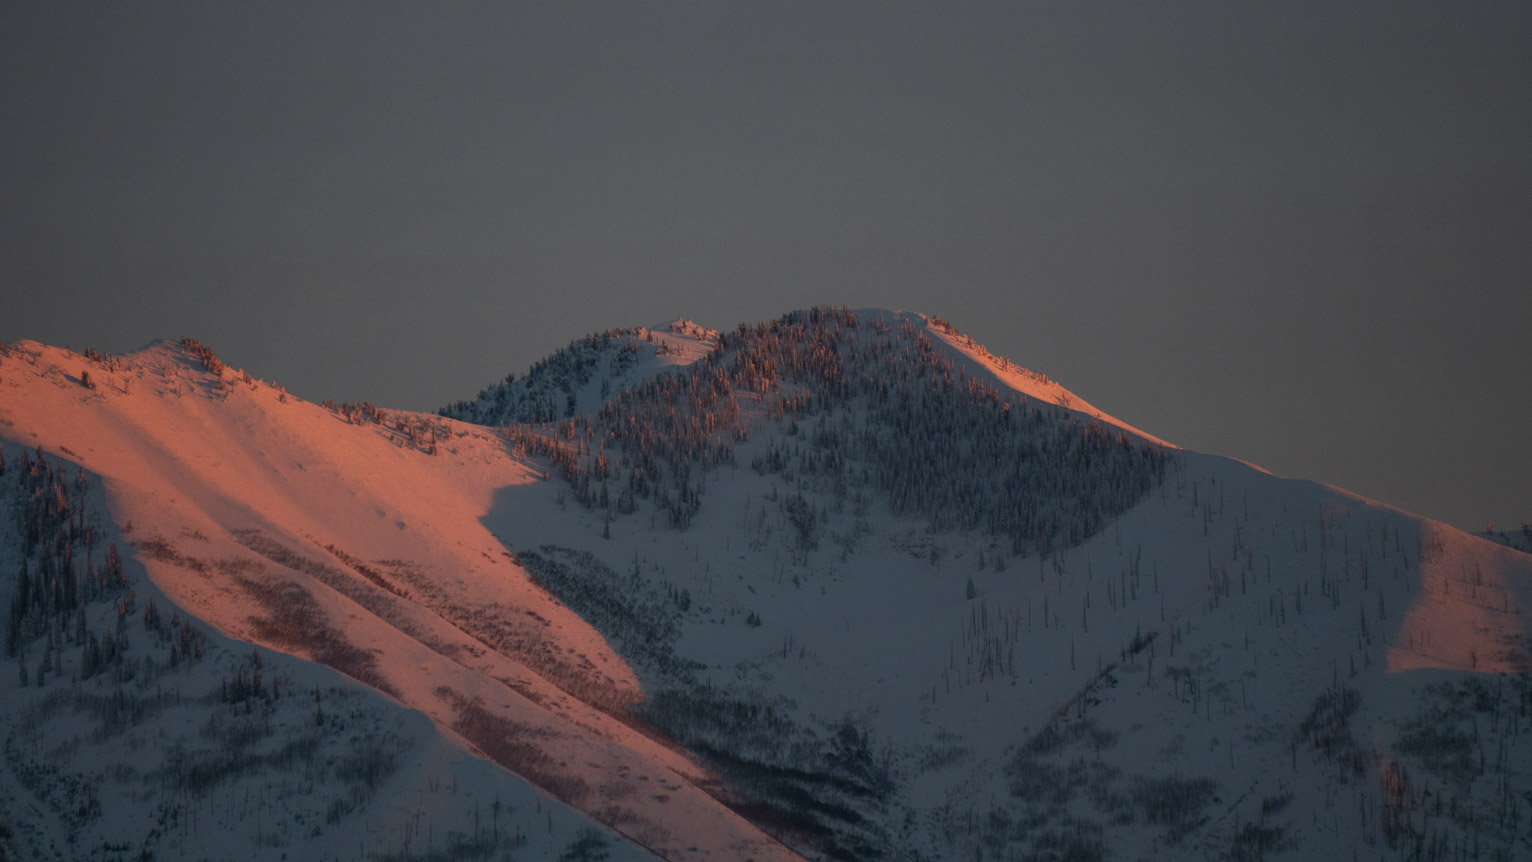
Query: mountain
840,585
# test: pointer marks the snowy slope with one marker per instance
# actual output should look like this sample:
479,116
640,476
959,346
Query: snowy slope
1024,381
289,525
1210,671
843,585
133,731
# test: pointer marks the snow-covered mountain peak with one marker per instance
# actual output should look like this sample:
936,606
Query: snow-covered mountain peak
840,585
581,377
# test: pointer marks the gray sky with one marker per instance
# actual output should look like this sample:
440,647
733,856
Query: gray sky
1296,233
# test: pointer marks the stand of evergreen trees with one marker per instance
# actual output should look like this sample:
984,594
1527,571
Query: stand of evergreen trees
61,567
836,404
549,389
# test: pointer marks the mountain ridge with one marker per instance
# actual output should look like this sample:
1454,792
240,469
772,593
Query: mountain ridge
936,682
686,342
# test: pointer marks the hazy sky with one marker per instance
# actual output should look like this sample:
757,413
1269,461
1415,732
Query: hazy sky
1296,233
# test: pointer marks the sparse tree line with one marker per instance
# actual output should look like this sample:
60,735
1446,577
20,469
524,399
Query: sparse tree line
52,590
107,363
643,623
416,431
60,575
201,352
549,389
1003,363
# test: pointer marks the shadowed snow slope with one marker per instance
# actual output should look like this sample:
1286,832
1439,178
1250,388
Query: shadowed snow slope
839,585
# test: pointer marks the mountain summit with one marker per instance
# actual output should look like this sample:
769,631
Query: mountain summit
840,585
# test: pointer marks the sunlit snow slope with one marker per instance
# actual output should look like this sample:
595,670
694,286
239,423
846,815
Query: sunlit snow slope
359,544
